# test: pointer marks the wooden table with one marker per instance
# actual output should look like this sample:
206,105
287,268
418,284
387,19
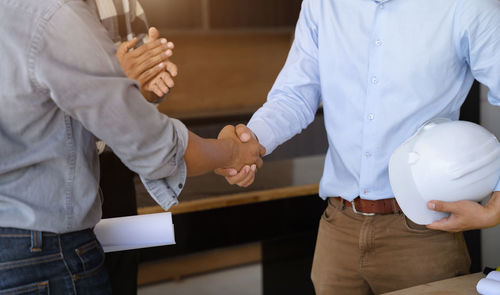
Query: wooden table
277,180
464,285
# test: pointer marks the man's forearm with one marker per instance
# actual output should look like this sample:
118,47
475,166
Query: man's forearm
204,155
494,204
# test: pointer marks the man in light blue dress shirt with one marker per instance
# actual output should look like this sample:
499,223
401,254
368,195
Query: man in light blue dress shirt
61,87
380,69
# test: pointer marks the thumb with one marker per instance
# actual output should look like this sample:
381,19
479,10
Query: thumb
441,206
262,150
439,224
154,34
226,172
244,133
125,47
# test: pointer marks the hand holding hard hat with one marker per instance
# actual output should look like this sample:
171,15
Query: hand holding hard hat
466,215
444,160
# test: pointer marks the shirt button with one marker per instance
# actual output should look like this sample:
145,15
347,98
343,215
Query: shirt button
374,80
371,116
378,42
180,185
367,154
381,6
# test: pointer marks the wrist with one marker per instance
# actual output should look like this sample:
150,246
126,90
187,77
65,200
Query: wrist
493,207
229,147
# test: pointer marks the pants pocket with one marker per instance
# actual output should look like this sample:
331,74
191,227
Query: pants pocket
413,227
330,211
91,257
40,288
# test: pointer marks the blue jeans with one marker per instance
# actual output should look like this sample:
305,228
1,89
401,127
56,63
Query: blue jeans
34,262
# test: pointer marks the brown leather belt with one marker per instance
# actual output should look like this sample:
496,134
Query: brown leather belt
369,207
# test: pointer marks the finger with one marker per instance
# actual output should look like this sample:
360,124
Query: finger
441,224
248,180
125,47
151,59
227,130
226,172
154,34
162,85
148,75
262,150
172,68
240,177
156,90
259,163
171,45
167,80
147,47
441,206
244,133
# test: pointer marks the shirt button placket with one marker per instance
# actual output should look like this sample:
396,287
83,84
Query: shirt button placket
370,116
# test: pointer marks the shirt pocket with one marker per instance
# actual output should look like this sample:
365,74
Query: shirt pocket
40,288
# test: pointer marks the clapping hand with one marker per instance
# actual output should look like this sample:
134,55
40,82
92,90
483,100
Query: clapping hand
148,64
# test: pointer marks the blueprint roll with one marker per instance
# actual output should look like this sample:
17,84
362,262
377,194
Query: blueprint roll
133,232
488,287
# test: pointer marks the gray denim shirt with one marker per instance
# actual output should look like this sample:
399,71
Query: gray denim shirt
60,88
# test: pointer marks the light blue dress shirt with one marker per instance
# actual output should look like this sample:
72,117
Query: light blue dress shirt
381,69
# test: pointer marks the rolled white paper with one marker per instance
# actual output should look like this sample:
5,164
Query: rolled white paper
488,287
133,232
494,275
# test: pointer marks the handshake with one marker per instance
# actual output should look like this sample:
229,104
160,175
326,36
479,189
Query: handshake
246,155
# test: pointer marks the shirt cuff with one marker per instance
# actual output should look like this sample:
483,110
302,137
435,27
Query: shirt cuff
264,134
166,191
156,102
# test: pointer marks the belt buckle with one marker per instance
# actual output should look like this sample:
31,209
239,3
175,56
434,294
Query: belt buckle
360,213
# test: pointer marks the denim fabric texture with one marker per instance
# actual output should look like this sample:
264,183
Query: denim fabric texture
61,89
33,262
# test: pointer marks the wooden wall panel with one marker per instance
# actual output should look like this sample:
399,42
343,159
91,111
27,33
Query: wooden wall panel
174,14
253,13
223,74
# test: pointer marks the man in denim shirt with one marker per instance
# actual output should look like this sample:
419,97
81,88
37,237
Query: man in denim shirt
61,87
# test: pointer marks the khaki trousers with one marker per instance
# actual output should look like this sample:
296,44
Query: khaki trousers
358,254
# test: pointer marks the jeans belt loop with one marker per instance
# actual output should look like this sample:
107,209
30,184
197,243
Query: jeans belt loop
36,241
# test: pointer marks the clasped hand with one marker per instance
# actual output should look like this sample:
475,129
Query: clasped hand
242,174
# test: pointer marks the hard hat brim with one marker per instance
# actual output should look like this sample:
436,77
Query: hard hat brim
405,190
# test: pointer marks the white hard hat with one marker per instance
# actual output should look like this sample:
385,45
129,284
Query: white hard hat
444,160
